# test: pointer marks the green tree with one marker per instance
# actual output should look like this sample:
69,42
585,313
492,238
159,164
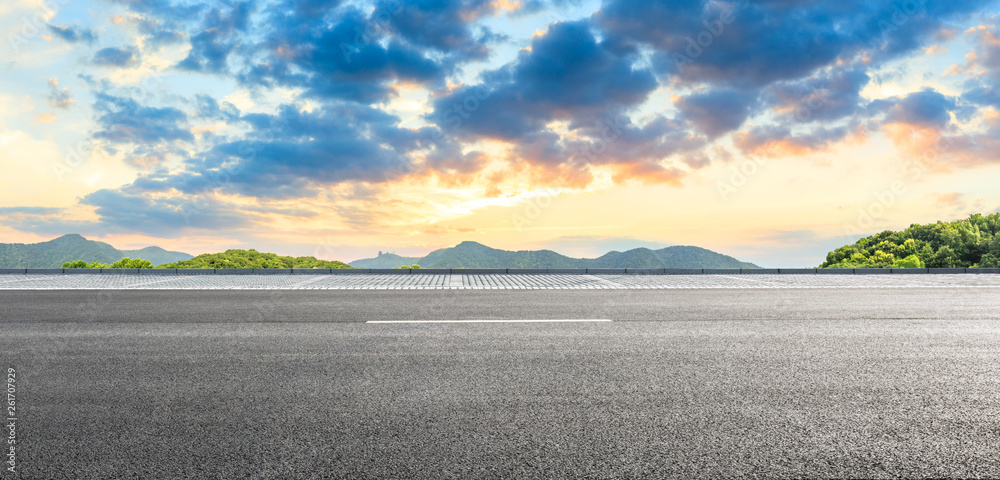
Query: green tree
83,264
882,260
945,257
911,261
992,258
235,258
961,243
131,263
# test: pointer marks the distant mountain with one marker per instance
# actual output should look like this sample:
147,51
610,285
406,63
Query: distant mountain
156,255
477,255
386,260
67,248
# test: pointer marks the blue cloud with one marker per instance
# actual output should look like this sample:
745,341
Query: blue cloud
122,210
567,74
293,153
983,94
117,57
830,96
717,111
209,107
73,34
927,108
338,61
746,44
59,98
442,25
817,139
210,48
30,210
124,120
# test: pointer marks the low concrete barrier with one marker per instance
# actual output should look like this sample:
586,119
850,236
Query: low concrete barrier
569,271
81,270
872,271
982,270
796,271
233,271
683,271
605,271
397,271
272,271
196,271
496,271
310,271
157,271
118,271
945,270
835,271
910,271
478,271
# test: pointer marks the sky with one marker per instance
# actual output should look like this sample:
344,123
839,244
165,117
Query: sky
769,130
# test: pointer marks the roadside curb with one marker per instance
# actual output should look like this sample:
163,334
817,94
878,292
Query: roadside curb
497,271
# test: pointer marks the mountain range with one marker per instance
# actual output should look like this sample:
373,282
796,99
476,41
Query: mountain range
477,255
67,248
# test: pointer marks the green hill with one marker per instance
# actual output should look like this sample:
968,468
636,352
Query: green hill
477,255
72,247
386,260
156,255
973,242
253,259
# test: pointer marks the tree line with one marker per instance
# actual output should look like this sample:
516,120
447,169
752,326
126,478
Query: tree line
969,243
233,258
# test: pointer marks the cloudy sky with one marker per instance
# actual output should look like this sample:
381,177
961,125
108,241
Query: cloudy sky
771,130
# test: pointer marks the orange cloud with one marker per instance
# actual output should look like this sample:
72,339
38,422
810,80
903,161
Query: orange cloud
935,50
648,173
46,118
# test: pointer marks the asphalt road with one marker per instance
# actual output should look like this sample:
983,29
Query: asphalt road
703,383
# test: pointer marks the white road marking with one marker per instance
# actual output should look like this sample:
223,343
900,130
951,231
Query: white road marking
553,320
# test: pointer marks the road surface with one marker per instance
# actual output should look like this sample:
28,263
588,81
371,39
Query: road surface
775,382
